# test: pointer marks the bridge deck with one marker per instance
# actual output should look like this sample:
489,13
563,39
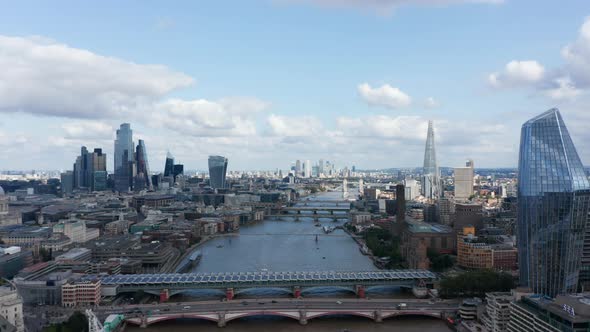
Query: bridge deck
252,278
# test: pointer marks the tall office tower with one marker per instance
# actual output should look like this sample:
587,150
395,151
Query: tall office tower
412,189
217,170
400,214
67,182
307,169
81,167
464,181
321,167
124,154
298,168
97,173
169,166
178,170
143,168
430,178
553,203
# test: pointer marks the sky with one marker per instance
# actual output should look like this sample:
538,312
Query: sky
266,82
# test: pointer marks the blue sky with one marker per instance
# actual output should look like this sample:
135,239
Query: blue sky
270,81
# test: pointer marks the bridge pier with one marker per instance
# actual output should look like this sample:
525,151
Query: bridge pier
360,291
221,321
164,295
296,292
144,323
229,294
377,316
302,317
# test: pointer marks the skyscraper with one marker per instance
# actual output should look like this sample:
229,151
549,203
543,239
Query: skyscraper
298,168
169,166
124,154
464,181
90,170
430,178
143,168
553,202
217,171
307,168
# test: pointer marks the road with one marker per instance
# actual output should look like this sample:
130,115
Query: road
280,304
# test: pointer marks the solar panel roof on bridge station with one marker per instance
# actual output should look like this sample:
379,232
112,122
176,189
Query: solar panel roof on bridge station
264,276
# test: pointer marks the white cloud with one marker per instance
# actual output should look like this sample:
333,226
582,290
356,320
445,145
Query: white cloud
563,89
294,126
383,126
577,57
87,130
201,118
386,7
430,102
385,95
517,73
44,77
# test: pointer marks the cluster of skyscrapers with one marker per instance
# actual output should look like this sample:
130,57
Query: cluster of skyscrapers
131,168
306,169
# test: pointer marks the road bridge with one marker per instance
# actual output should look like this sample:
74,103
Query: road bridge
234,282
314,217
300,310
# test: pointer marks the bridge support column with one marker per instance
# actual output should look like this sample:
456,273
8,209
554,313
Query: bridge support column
229,294
302,317
377,316
296,292
360,291
221,321
164,295
144,322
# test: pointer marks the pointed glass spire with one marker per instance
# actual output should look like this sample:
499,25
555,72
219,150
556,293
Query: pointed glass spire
431,177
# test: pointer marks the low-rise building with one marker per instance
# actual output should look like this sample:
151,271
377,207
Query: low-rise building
81,293
497,312
418,237
535,313
11,307
478,253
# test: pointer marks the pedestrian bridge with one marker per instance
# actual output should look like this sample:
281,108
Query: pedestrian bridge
176,282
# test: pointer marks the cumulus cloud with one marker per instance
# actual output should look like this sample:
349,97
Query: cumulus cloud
385,96
383,126
43,77
386,6
87,130
201,117
294,126
517,73
430,102
562,88
577,56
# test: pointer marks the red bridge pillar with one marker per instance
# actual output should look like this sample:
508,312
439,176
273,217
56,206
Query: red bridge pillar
164,295
229,294
296,292
360,291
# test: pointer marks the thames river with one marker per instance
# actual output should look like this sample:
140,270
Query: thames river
290,246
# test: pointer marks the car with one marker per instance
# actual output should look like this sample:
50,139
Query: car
273,301
261,303
338,302
244,303
166,309
186,307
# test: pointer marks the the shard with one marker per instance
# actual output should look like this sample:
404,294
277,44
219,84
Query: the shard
431,176
553,203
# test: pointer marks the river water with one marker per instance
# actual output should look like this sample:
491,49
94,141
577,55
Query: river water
290,246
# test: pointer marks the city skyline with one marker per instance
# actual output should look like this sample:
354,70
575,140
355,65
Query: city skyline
200,99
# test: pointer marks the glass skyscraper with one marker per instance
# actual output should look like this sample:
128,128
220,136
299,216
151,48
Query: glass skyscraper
217,171
124,154
431,176
169,165
143,167
553,202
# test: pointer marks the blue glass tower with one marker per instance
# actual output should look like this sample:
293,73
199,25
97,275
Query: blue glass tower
553,202
217,171
431,176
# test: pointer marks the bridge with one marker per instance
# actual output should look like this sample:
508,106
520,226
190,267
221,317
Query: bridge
314,217
302,311
315,210
309,202
233,283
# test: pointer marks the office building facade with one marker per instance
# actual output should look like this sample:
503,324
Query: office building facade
124,158
217,171
553,202
464,181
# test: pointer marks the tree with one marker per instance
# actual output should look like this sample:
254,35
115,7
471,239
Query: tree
77,322
476,283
